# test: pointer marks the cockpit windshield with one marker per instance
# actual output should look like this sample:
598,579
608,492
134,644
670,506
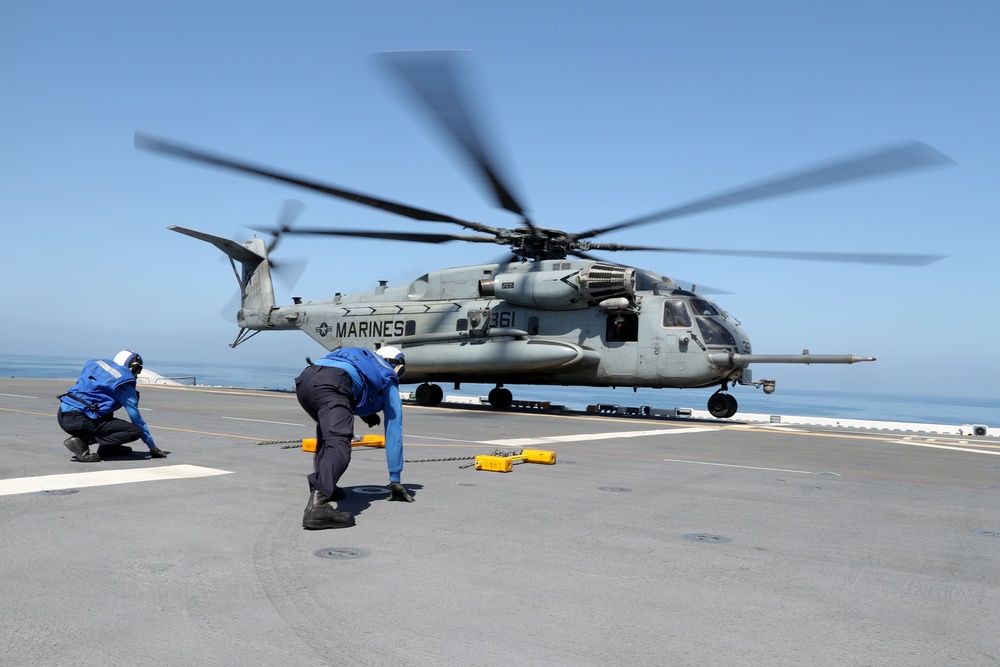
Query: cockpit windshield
715,332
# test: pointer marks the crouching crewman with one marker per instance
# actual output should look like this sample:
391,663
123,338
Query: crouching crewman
347,382
87,410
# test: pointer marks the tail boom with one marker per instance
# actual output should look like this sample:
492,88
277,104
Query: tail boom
256,288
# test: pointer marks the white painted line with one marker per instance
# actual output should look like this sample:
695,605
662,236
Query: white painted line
262,421
79,480
778,427
957,449
580,437
730,465
437,439
18,396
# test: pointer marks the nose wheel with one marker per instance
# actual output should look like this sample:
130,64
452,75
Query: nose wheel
722,405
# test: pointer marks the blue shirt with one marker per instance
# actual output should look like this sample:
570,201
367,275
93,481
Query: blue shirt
129,398
392,408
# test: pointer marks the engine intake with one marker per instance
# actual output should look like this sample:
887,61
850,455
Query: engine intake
602,281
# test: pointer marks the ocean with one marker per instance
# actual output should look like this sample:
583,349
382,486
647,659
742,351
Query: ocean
955,410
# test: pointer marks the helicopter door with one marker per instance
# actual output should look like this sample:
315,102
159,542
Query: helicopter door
621,354
676,330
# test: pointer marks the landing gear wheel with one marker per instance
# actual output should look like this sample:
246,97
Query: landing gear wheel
429,394
722,405
733,406
500,398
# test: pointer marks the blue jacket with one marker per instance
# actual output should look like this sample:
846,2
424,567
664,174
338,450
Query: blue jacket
103,388
376,389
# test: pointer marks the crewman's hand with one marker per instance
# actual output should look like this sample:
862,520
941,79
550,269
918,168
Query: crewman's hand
398,492
372,420
157,453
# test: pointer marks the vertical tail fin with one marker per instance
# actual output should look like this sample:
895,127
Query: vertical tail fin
254,277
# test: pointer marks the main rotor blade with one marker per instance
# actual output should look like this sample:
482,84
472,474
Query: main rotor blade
911,155
848,257
583,255
432,78
149,143
418,237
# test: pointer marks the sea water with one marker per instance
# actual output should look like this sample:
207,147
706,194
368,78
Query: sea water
956,410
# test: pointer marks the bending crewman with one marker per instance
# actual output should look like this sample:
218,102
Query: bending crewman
87,410
347,382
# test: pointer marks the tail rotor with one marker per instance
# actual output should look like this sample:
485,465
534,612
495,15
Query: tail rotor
288,271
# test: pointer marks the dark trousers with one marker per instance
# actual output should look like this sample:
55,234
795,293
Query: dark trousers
327,395
104,431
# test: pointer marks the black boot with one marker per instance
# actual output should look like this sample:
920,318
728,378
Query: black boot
320,514
81,450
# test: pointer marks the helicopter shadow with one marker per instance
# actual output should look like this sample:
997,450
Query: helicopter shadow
360,498
141,455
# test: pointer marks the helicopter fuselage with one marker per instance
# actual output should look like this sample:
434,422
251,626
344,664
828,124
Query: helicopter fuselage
545,322
549,322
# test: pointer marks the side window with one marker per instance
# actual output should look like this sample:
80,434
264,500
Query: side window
622,328
411,328
675,313
532,326
462,324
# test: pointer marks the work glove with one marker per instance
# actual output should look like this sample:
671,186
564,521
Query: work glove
372,420
397,492
157,453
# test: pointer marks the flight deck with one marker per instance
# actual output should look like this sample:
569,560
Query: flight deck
648,542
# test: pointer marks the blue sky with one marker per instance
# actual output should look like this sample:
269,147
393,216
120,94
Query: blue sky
599,113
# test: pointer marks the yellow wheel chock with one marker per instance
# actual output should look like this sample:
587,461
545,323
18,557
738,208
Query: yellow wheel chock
506,463
369,440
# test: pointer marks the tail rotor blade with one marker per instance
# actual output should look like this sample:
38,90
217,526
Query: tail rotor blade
289,271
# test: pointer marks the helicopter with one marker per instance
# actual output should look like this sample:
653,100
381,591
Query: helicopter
551,312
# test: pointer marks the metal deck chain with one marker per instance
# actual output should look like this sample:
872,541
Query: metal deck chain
496,452
278,442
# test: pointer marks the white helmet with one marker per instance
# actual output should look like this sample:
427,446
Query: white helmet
393,356
130,360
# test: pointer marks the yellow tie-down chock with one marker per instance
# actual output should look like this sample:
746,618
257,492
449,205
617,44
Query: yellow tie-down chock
376,441
495,463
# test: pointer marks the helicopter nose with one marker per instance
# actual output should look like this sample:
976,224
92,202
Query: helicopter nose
741,338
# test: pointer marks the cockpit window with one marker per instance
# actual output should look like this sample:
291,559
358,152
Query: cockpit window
675,314
703,307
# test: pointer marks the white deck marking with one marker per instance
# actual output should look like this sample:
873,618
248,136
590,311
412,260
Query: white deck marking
79,480
261,421
783,428
549,440
733,465
957,449
18,396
